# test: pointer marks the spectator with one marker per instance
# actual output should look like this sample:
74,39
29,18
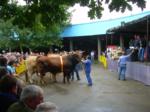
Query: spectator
122,65
3,66
31,96
76,70
87,68
11,68
8,92
137,41
46,107
131,43
92,56
3,71
3,61
21,85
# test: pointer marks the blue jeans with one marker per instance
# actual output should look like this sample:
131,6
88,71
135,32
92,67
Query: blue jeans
88,77
141,54
77,74
122,71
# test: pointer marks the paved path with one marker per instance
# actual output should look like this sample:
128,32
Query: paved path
106,95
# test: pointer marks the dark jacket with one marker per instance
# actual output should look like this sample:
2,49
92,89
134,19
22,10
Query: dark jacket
19,107
6,100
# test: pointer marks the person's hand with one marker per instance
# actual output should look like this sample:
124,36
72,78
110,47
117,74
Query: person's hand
82,61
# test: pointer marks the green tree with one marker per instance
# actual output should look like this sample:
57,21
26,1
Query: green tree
11,37
5,34
56,10
47,18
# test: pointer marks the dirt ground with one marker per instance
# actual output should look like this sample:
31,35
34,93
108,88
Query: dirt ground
108,94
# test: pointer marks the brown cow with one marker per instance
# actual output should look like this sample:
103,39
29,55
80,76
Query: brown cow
56,64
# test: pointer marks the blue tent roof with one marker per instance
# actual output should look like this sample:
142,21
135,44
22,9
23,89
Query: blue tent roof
98,28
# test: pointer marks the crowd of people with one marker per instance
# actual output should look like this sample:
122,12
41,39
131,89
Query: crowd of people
16,96
142,47
139,51
22,98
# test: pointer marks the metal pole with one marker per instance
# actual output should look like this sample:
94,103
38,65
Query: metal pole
71,45
106,41
99,46
147,30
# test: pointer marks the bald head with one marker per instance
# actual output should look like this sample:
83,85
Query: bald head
46,107
32,95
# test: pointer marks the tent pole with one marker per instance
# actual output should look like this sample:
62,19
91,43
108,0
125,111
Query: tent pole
106,41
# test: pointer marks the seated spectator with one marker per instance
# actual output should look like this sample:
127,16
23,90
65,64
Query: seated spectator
3,66
8,92
3,71
3,61
21,85
134,55
131,43
11,68
30,97
46,107
137,41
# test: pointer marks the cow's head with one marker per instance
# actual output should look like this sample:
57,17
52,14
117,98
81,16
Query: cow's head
76,58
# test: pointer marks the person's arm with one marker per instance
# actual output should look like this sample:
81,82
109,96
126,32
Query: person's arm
127,56
83,61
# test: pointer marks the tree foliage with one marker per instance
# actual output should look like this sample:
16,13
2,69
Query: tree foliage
45,19
11,37
55,11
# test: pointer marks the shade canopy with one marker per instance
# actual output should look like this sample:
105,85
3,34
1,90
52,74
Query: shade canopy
102,27
140,25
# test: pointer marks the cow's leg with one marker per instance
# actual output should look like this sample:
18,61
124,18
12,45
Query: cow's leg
42,81
32,78
26,76
64,76
68,77
54,78
29,76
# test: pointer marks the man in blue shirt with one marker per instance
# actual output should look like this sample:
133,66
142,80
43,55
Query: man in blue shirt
122,65
87,68
11,69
